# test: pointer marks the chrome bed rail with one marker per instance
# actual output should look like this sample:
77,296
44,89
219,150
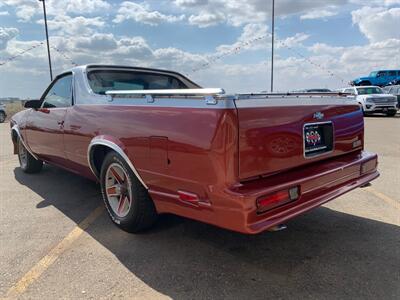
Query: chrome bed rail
207,93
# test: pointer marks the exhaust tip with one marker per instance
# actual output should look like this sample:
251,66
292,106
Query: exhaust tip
277,228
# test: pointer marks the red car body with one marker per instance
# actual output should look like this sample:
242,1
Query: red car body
209,162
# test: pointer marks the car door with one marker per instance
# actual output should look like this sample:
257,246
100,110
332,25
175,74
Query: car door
45,126
381,77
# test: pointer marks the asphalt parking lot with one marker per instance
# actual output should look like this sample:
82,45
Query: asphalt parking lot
56,241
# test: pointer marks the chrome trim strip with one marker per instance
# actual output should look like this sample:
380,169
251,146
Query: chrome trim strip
16,129
206,91
167,102
282,101
99,141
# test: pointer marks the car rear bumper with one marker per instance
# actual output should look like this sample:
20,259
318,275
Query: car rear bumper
318,184
235,208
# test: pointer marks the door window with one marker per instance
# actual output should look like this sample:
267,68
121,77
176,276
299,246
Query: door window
392,73
350,91
60,94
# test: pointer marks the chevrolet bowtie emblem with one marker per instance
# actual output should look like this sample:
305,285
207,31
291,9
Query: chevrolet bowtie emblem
318,115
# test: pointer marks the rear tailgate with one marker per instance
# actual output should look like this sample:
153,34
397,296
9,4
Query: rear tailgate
278,133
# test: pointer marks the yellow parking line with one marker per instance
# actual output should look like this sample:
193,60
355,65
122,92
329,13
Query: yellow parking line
383,197
33,274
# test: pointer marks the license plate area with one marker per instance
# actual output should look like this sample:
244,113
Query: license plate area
318,139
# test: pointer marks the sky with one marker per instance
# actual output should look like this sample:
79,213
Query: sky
217,43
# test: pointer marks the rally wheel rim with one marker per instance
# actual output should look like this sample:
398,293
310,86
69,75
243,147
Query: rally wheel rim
22,155
118,190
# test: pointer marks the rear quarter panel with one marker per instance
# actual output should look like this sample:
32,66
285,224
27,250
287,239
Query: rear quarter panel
171,148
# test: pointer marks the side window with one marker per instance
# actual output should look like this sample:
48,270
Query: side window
392,73
381,74
60,94
350,91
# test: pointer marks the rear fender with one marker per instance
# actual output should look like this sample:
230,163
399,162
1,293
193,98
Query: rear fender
113,144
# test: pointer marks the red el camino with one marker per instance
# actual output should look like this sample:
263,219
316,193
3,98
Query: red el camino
158,143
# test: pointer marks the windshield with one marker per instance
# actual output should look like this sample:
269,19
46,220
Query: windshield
369,90
372,74
101,81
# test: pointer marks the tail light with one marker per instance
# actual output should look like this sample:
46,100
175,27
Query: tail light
279,198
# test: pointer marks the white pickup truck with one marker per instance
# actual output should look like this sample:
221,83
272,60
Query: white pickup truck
372,99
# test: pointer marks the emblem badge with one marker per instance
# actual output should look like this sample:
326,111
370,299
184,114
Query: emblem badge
313,137
318,115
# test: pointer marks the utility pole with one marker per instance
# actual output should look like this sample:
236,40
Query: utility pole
47,37
272,43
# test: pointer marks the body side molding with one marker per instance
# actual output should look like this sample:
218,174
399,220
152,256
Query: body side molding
16,129
104,142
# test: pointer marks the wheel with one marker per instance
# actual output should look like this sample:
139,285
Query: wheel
391,113
364,83
27,162
2,116
127,201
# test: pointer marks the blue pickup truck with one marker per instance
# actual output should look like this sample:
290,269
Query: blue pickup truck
379,78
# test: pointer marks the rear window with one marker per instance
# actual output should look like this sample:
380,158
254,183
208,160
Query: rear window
101,81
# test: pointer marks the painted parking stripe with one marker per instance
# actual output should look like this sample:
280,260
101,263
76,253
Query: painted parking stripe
383,197
37,270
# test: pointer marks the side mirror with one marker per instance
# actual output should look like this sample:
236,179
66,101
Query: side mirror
35,104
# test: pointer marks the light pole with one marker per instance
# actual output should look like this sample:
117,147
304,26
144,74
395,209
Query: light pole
47,37
272,50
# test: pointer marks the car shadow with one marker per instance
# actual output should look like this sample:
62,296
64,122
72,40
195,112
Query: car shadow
323,254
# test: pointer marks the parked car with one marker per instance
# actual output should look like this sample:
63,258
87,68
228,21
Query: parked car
378,78
318,90
3,114
395,91
159,143
372,99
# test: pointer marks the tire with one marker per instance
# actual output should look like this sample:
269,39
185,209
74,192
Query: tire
2,116
127,201
27,162
391,113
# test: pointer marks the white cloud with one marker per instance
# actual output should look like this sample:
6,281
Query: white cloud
239,12
376,2
378,24
6,34
318,14
64,24
141,13
96,42
4,13
190,3
206,19
252,37
78,6
26,9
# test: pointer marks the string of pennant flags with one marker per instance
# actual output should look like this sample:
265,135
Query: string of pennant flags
210,60
213,59
14,57
60,52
